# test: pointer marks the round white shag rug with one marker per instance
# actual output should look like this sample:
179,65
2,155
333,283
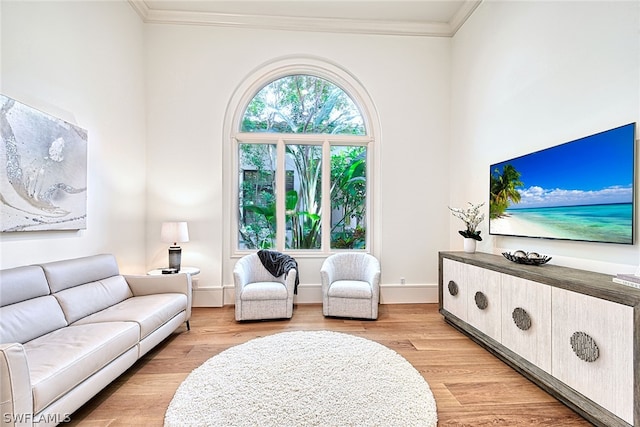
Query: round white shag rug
304,378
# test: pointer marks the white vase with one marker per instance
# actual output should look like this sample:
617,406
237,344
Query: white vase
469,245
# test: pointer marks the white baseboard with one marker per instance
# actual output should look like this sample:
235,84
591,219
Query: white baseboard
389,294
409,294
208,297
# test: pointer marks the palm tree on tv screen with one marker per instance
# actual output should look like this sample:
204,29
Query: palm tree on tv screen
504,190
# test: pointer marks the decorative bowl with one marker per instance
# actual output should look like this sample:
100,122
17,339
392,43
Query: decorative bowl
528,258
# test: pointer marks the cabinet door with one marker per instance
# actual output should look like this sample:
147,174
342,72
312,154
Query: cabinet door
454,292
526,320
592,349
483,300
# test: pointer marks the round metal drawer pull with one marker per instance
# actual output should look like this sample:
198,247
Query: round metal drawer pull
481,300
521,318
584,346
453,288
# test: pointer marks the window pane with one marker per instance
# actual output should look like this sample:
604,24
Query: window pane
303,104
257,196
348,197
303,202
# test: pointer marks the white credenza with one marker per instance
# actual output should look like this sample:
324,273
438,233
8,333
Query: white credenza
575,333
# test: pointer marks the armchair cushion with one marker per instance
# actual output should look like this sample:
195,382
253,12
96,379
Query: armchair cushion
350,289
264,291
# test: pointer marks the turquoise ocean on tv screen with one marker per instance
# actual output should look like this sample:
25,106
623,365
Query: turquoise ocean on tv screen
603,223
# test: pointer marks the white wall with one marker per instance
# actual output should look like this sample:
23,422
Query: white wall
84,62
192,74
530,75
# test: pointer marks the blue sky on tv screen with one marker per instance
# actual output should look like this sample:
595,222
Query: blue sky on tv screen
597,169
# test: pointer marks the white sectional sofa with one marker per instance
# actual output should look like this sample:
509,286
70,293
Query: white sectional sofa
69,328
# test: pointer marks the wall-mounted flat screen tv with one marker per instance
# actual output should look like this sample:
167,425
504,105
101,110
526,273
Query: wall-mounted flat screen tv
581,190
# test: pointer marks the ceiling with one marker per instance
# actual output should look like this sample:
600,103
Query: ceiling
401,17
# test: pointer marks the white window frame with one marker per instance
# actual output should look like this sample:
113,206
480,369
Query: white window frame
236,108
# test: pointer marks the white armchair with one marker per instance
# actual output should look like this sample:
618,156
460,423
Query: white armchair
260,295
351,285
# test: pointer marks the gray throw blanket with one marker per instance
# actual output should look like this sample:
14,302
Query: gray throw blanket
278,264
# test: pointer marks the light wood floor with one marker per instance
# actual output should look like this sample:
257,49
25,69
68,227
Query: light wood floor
471,386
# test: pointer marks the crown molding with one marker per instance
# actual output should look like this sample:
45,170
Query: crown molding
141,8
352,26
462,15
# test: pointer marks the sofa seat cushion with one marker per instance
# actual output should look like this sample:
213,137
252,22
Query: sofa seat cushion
350,289
149,311
264,291
64,358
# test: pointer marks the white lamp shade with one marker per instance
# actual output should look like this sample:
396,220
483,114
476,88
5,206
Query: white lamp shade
174,232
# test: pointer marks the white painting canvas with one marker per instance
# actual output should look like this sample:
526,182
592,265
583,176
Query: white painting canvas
43,180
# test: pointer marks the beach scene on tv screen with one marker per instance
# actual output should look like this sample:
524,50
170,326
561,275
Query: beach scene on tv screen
580,190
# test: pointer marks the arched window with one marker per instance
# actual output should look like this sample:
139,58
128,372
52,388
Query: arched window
301,153
302,104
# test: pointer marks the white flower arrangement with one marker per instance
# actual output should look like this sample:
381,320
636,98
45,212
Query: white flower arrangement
472,217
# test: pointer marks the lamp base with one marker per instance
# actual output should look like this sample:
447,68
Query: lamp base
175,257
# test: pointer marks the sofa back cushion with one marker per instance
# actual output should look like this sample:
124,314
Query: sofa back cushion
73,272
23,321
27,310
84,286
22,283
83,300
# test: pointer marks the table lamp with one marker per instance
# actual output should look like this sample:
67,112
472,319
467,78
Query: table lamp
174,232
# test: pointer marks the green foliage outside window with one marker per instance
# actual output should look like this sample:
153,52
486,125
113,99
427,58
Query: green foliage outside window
310,105
348,197
302,104
257,215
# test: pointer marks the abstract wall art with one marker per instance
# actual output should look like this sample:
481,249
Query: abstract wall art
43,170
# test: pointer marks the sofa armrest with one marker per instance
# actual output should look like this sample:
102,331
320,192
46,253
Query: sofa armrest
16,399
167,283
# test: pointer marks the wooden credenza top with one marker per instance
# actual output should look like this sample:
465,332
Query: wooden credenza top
582,281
